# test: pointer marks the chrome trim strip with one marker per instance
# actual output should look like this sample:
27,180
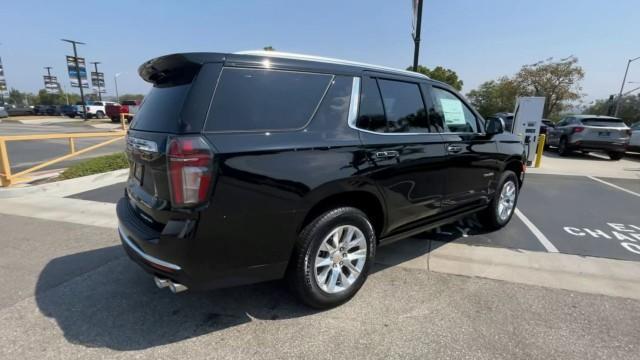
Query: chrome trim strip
294,56
142,144
149,258
354,102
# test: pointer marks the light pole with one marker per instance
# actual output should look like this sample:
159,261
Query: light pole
115,79
95,64
416,35
75,58
622,86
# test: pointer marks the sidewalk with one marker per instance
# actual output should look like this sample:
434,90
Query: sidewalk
594,164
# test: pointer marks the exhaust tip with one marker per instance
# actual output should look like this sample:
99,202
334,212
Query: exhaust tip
176,288
161,283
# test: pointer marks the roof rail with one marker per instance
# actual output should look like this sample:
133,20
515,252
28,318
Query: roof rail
294,56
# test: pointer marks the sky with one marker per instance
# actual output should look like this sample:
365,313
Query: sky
480,40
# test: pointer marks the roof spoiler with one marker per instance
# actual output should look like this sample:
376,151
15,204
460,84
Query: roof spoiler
176,69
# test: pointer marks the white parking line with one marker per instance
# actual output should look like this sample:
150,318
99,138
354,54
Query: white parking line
614,186
538,234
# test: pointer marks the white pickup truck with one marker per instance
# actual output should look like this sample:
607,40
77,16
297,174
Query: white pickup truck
94,109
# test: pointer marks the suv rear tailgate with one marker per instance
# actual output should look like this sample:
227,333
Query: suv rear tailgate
176,105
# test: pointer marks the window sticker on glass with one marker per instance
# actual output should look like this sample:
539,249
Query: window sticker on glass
453,113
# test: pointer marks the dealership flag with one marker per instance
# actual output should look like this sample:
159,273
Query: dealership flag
97,80
3,82
51,84
73,75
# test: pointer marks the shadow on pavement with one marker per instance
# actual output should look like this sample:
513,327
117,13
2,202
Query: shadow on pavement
116,305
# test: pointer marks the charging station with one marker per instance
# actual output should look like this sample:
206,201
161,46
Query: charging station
527,118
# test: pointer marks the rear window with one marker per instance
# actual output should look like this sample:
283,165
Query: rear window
160,110
602,122
258,99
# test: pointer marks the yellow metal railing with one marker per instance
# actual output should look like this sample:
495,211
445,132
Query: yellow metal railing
7,178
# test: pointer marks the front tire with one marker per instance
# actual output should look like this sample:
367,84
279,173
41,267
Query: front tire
614,155
332,258
503,204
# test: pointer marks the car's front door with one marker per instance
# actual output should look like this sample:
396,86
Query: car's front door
472,156
406,157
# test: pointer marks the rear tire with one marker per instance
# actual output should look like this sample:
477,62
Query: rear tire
503,204
332,258
115,119
614,155
100,115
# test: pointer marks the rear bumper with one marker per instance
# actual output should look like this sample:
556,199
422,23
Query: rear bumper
599,145
170,254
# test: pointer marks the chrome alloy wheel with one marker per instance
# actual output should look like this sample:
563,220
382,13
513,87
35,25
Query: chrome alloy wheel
507,200
340,259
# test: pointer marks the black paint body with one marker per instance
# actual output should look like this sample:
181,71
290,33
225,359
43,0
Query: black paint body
268,185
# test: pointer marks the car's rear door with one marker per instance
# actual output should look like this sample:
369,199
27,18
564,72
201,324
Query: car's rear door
406,155
472,156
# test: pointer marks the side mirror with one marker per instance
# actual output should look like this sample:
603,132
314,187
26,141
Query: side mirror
494,126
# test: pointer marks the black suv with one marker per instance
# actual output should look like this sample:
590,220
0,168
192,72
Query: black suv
261,165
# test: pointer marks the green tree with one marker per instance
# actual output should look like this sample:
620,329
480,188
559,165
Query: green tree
130,97
441,74
557,81
495,96
629,108
19,98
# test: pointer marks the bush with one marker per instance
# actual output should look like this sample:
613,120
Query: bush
96,165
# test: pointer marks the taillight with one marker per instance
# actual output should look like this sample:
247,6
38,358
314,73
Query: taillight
578,129
190,168
124,109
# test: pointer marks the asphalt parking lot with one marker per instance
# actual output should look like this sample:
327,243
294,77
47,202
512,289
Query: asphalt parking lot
25,154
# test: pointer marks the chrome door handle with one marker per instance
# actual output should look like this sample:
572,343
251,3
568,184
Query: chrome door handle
454,148
387,154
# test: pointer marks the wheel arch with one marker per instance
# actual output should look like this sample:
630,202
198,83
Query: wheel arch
366,201
516,165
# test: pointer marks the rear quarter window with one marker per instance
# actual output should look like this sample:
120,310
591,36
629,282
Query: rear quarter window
259,99
160,110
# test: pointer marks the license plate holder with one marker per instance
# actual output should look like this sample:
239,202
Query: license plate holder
604,133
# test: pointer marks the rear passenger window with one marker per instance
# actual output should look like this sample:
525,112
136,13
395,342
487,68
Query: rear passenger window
371,116
403,107
400,111
258,99
453,113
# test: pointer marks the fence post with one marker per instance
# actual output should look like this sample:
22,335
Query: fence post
122,121
5,168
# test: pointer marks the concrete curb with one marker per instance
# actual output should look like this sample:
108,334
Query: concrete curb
570,272
68,187
542,171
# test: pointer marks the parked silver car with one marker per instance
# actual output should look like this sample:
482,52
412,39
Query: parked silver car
634,143
591,133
